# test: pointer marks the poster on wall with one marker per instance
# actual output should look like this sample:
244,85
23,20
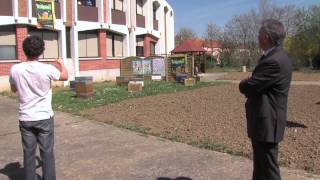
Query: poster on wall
159,66
178,65
147,66
45,13
137,67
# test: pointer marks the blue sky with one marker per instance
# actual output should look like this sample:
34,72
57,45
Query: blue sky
196,14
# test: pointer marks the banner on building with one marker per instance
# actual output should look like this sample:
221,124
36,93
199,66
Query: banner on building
147,66
45,13
137,67
158,66
178,65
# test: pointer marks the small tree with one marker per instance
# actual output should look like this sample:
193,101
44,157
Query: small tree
184,34
212,34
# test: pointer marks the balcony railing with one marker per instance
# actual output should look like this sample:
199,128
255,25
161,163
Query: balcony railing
141,21
6,8
88,13
155,25
118,17
56,8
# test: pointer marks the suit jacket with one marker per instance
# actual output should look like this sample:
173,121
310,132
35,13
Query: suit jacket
267,97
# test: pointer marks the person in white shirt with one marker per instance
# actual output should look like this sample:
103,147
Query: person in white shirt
32,81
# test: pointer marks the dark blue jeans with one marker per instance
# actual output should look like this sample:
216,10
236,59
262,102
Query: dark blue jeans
32,134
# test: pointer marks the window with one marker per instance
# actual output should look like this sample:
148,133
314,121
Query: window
140,7
87,2
154,14
7,43
114,45
118,5
50,39
140,47
88,44
152,48
155,7
68,42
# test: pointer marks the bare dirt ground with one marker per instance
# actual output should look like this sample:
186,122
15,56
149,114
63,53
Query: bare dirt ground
216,115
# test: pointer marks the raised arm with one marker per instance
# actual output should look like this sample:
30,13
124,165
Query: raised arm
63,70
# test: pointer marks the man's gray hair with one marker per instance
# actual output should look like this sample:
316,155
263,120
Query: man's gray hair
275,30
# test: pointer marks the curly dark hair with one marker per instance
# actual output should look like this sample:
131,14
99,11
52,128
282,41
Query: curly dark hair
33,46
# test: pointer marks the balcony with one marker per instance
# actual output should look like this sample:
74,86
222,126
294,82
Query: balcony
56,8
88,13
6,8
118,17
141,21
155,25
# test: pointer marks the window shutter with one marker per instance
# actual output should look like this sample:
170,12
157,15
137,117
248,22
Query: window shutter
92,45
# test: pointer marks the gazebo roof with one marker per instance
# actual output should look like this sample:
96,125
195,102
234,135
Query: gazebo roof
188,46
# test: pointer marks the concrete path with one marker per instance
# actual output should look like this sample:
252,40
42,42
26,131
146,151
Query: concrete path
209,77
87,150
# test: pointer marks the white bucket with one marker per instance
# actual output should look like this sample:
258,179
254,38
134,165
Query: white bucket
244,68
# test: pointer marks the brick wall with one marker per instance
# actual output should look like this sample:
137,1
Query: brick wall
147,44
106,11
5,68
21,34
86,65
23,8
69,13
103,44
102,63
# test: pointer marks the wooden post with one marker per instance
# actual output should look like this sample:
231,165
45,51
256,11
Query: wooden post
166,61
192,66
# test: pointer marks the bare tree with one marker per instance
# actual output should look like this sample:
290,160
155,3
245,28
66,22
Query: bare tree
286,14
241,32
184,34
213,34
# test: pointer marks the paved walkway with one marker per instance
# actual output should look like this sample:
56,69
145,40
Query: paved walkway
209,77
87,150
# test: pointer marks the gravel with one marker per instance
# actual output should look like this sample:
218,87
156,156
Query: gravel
215,115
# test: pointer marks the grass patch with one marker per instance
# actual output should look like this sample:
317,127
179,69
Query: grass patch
172,136
223,69
10,94
308,71
107,93
134,127
215,147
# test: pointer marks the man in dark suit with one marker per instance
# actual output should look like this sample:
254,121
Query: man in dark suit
267,98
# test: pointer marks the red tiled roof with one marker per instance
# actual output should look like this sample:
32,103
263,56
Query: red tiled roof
214,44
188,46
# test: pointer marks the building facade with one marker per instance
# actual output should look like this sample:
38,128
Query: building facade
91,36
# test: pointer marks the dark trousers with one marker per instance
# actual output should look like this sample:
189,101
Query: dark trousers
42,133
265,161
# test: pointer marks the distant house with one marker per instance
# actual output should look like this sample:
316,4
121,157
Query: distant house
189,46
213,48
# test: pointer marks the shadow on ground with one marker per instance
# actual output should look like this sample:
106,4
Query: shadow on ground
178,178
15,171
291,124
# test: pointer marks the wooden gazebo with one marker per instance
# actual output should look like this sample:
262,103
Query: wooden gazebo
188,49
